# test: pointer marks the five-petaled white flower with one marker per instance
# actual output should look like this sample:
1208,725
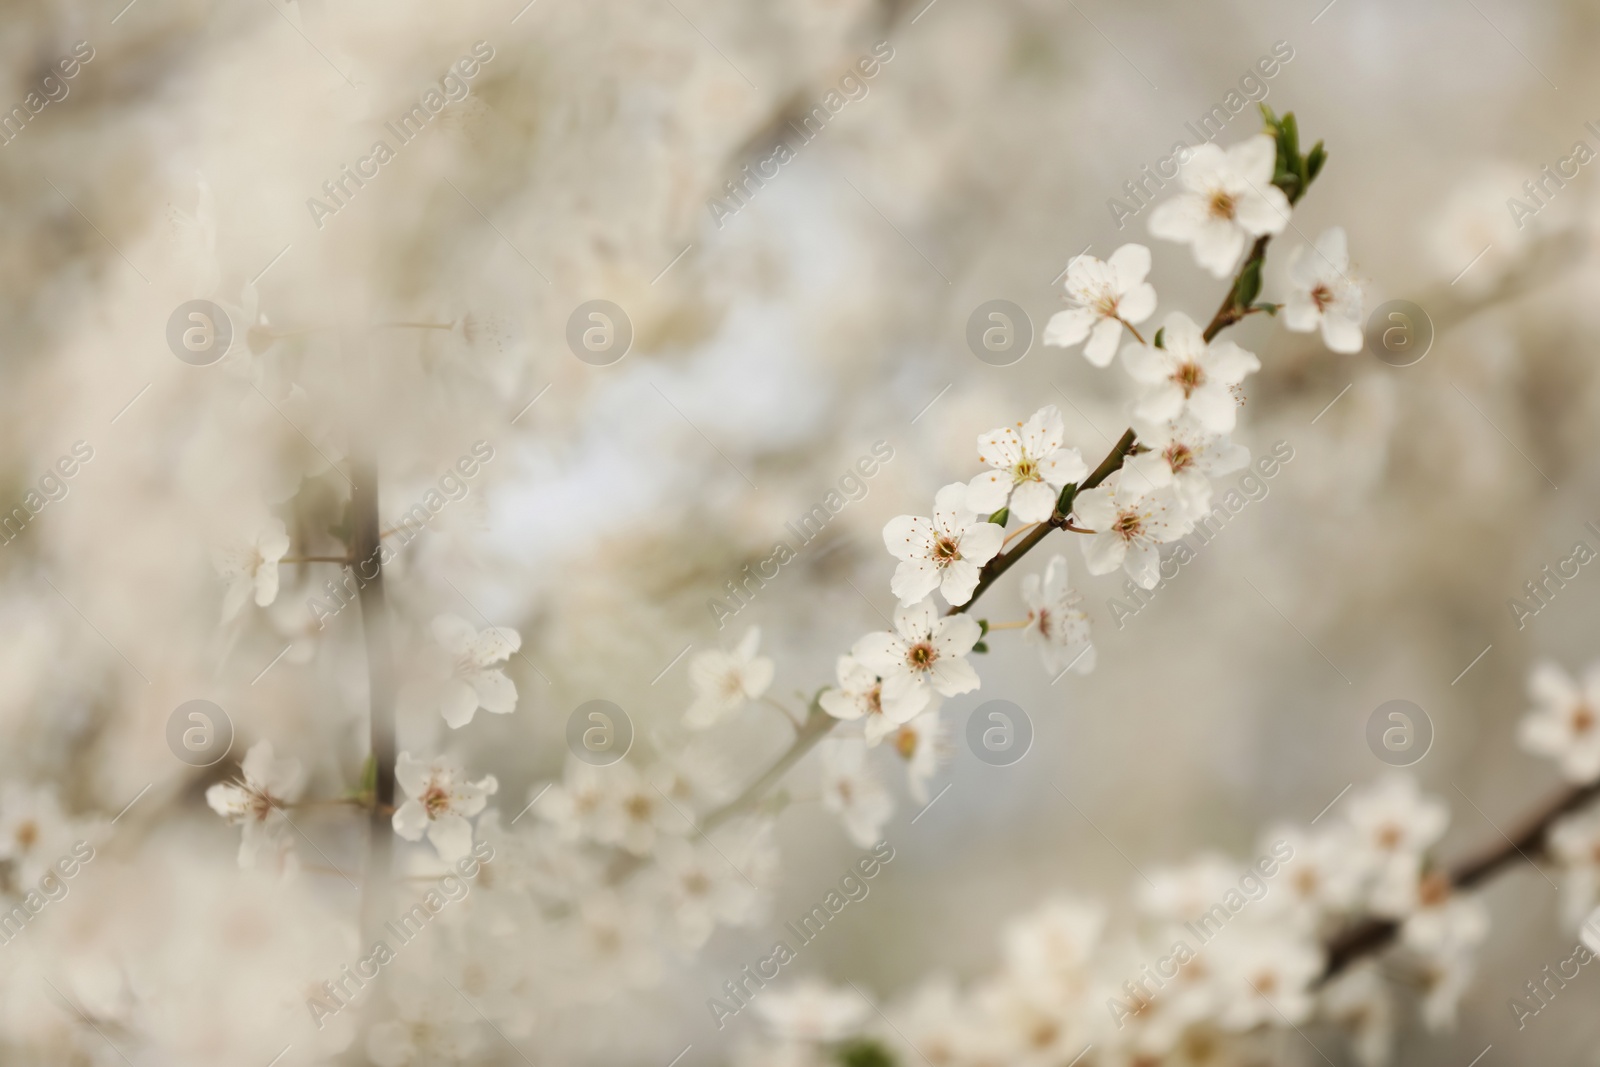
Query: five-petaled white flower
1228,199
926,651
1184,455
1188,374
1321,293
1030,469
1057,626
946,552
1103,298
256,798
860,695
252,567
1129,520
723,681
474,681
1565,721
440,801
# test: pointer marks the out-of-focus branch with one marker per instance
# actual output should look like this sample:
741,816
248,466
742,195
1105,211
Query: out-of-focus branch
1373,935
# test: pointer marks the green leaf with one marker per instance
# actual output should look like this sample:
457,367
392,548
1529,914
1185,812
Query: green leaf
1064,501
863,1052
1314,161
1270,117
981,646
1270,309
1000,517
983,627
1161,338
1249,286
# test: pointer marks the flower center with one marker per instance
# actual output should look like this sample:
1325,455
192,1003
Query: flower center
1179,457
639,807
905,743
1221,205
1026,470
875,700
1583,719
1190,376
697,884
1046,623
1129,524
435,800
1390,836
946,550
28,834
1322,296
921,656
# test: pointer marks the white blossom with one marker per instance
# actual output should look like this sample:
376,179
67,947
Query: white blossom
1394,825
439,802
251,567
859,695
1129,520
724,681
1057,626
1565,721
1228,200
926,651
1102,298
1189,375
1185,455
924,745
813,1011
475,682
1323,295
946,552
851,791
255,801
1030,468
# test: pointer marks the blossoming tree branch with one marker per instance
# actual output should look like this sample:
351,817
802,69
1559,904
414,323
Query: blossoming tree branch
621,874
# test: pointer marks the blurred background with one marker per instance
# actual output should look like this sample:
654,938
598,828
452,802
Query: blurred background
775,338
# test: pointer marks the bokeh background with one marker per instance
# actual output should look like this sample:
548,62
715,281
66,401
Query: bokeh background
771,348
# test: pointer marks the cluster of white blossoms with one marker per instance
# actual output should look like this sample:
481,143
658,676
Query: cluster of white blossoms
1564,725
1219,957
